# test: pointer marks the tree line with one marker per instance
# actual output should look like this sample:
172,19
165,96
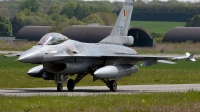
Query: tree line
164,13
60,14
155,10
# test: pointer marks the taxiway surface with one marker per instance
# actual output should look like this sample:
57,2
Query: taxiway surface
96,90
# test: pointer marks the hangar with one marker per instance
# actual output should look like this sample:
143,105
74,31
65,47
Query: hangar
182,34
89,34
94,34
32,33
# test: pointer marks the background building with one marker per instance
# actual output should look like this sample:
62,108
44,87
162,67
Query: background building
32,33
182,34
89,34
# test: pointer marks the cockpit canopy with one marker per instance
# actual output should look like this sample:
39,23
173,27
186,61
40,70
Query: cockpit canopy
52,39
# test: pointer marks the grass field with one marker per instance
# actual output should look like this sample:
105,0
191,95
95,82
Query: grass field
156,26
17,46
154,102
170,48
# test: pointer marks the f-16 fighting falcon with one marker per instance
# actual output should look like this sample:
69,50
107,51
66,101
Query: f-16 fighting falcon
108,61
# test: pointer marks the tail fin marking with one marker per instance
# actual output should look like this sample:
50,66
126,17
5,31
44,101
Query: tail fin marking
122,24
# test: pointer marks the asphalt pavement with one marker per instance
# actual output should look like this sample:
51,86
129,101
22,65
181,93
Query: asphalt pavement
98,90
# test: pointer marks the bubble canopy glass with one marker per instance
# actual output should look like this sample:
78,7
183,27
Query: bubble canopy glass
52,39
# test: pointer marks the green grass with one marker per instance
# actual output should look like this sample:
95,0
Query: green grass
153,102
13,74
16,46
170,48
156,26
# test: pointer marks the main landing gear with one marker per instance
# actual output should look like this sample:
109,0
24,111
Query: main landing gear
70,85
113,85
110,84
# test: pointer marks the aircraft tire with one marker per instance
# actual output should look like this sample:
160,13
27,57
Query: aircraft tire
113,85
70,85
59,87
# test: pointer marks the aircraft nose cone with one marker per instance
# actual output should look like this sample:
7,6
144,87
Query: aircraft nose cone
31,56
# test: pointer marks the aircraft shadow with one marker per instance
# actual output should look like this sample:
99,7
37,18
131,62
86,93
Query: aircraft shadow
77,91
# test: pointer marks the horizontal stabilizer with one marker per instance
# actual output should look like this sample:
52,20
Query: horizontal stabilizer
12,55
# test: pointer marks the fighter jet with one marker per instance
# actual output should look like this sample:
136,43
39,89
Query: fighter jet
108,61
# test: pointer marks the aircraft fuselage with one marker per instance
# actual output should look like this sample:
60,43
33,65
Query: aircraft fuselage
73,57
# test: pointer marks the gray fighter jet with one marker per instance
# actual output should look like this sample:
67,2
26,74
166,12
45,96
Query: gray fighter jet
108,61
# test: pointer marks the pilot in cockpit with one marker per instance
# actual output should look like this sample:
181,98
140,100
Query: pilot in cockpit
52,39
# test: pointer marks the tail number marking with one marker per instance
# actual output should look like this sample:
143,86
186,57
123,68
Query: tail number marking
120,30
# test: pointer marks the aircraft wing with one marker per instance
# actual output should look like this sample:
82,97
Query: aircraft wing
138,57
12,55
149,60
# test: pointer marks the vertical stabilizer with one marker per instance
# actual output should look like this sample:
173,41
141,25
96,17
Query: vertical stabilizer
121,26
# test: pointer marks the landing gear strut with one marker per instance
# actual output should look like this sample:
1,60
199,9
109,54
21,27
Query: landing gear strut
71,83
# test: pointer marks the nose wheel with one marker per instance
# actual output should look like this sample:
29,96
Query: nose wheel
59,80
59,87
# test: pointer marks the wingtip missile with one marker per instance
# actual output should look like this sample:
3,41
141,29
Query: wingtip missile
187,57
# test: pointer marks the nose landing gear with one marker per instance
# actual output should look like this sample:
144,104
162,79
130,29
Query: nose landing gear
60,79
